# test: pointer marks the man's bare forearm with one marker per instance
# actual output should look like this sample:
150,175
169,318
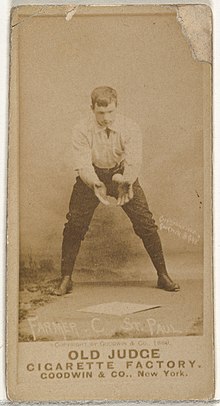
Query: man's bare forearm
88,176
131,173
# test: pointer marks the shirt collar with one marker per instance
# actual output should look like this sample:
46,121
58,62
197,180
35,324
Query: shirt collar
113,127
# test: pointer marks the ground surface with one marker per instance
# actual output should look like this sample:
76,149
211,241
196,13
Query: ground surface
46,317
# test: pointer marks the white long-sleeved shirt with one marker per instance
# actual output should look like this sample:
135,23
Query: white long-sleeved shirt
91,145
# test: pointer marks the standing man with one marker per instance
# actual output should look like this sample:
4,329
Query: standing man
107,151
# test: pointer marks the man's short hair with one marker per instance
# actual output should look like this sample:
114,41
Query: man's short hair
103,96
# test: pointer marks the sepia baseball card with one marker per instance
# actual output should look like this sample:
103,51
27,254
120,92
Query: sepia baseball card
109,243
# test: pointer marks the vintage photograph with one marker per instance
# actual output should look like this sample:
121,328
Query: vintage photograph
112,175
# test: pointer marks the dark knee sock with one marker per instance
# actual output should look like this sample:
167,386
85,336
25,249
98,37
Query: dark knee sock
70,251
153,246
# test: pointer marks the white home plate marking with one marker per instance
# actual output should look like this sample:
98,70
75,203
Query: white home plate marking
118,308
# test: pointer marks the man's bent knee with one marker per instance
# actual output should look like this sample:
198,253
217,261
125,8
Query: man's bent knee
76,231
145,230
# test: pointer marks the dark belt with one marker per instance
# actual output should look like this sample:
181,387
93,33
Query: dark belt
110,171
105,174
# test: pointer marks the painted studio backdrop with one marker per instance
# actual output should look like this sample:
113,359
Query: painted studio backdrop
147,59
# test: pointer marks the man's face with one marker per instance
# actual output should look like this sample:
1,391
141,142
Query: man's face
105,116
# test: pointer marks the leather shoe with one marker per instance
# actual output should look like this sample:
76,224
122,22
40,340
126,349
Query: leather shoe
65,287
166,283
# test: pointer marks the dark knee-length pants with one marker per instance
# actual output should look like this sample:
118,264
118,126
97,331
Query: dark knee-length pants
82,205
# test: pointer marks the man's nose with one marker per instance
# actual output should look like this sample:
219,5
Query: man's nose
106,117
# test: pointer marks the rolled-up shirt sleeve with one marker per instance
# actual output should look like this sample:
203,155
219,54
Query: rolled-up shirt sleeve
82,157
133,153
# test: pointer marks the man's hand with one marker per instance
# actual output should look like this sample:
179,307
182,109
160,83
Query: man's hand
100,192
125,190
